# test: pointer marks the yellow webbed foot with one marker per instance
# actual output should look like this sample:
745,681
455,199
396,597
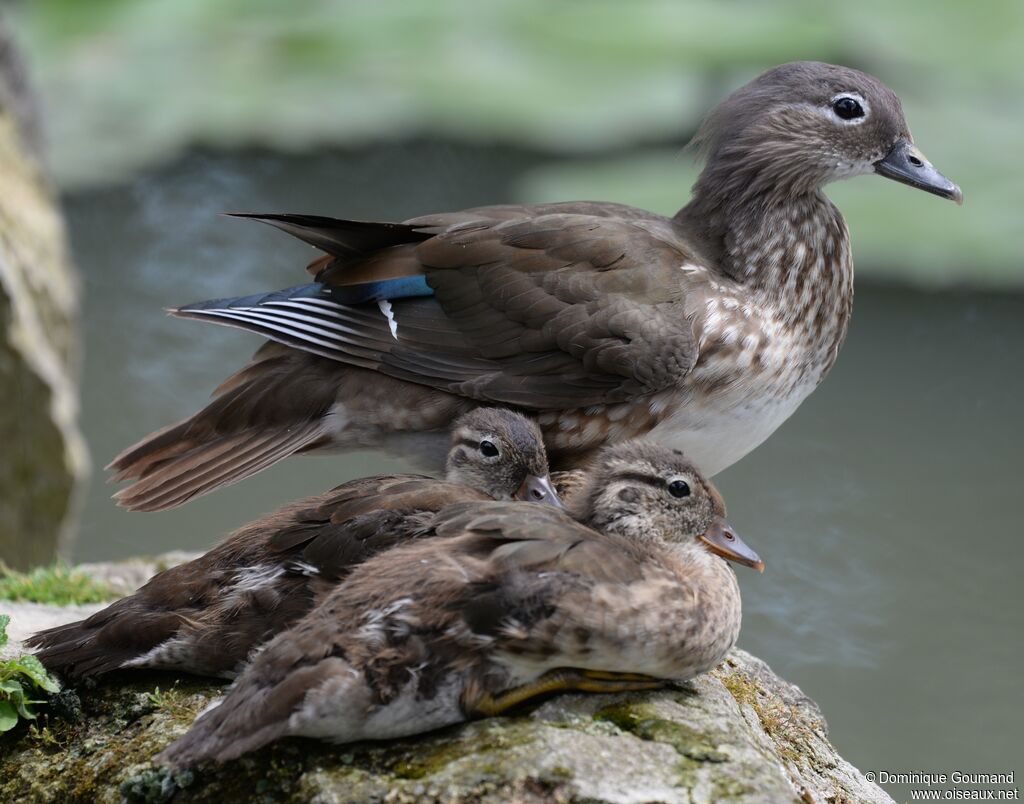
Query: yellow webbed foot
478,703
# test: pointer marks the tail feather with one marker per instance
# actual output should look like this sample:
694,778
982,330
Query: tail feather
253,714
277,405
165,444
338,237
104,642
209,464
214,465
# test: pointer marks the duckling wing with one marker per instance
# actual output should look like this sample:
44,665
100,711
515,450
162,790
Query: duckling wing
533,556
519,537
258,706
357,520
206,616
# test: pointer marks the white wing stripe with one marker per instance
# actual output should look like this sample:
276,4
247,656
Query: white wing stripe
317,322
268,325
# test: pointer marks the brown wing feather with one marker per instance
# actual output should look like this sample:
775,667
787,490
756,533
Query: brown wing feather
341,238
538,538
269,410
543,307
526,559
556,311
360,519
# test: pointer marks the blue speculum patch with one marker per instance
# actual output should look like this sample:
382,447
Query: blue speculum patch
402,287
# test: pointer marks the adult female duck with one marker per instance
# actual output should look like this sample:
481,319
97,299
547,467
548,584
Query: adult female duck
705,330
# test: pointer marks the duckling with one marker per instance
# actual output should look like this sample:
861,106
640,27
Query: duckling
207,615
523,601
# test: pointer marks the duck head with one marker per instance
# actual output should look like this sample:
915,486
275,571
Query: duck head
642,490
802,125
501,452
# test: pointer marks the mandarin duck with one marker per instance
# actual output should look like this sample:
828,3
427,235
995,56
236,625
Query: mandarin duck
703,331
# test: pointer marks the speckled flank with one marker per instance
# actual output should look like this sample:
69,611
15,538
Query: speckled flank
342,709
666,625
764,343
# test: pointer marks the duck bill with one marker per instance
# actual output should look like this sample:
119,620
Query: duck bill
722,540
539,489
907,165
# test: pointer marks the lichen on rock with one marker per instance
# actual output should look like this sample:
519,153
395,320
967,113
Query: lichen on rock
739,734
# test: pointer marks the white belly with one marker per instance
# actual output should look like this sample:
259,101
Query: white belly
715,437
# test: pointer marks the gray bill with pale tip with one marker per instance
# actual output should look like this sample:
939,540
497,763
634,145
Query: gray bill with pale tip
907,165
539,490
722,540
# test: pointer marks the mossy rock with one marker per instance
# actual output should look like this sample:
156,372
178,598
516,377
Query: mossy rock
739,734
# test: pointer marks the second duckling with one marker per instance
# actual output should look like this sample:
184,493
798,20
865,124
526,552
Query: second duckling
207,615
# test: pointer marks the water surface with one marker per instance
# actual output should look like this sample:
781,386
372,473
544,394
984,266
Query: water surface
887,508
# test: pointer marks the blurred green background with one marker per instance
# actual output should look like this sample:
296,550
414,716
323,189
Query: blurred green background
886,507
617,86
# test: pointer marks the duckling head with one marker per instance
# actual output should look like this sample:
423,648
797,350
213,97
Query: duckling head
501,452
646,491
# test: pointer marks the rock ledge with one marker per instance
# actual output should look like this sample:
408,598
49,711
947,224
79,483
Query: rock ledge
739,734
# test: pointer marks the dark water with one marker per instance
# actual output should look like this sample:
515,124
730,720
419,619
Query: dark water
887,508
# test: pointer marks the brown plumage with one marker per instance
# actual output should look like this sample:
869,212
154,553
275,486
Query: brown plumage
705,330
568,482
207,615
522,601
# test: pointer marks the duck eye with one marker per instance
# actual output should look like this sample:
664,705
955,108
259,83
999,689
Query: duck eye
847,108
488,450
679,488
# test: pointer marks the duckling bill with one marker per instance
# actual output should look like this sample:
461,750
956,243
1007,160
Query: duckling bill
208,615
523,601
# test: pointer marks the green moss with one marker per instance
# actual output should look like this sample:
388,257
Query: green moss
744,689
178,707
57,584
109,744
777,719
641,721
103,751
154,785
423,760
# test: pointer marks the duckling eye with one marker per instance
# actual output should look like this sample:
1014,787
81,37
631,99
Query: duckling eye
847,108
488,450
679,488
